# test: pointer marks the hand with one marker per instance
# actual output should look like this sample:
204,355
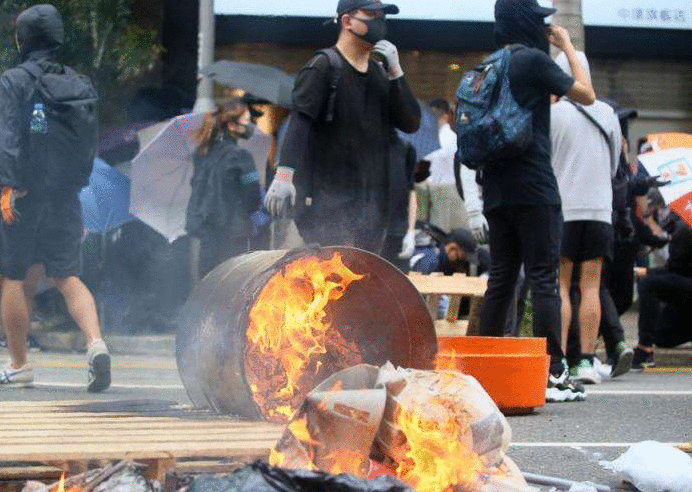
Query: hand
281,190
655,182
408,245
390,53
479,227
558,36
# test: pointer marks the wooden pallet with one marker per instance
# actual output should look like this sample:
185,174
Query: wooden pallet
69,436
457,287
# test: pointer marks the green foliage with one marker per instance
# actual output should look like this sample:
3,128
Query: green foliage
101,39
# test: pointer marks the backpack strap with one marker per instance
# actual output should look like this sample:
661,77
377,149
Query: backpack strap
596,124
335,65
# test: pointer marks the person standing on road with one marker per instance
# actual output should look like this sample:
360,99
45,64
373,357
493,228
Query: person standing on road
225,186
520,198
42,219
586,144
338,137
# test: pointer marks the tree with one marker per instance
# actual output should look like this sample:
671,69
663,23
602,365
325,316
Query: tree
115,42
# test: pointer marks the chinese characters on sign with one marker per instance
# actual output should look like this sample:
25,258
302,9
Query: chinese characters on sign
664,16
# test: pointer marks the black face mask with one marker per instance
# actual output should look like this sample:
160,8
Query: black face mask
377,30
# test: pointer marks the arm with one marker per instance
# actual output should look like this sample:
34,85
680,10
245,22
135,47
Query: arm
582,90
10,134
403,106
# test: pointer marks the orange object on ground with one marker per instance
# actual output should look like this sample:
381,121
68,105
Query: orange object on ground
513,371
7,205
670,140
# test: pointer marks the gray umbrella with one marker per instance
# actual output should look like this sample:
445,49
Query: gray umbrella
263,81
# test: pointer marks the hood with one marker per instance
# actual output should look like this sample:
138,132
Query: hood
39,28
521,21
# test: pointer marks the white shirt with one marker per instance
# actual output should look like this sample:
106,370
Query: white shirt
442,159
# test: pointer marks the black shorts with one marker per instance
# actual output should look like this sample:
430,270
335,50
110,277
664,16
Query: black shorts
584,240
46,231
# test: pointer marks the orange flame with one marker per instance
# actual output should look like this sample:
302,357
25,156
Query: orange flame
61,483
438,457
288,333
446,361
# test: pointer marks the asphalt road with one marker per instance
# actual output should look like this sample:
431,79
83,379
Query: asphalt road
565,440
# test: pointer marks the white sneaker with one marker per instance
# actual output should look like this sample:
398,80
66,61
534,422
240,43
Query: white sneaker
22,377
603,370
586,373
99,372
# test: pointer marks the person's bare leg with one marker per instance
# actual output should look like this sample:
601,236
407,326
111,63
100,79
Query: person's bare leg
15,319
566,268
81,306
590,306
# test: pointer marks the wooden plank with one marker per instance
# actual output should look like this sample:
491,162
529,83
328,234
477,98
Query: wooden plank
47,452
449,284
43,432
34,472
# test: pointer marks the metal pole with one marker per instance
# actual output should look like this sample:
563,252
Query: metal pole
205,97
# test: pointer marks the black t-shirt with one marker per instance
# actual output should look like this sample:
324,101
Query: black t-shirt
529,179
350,154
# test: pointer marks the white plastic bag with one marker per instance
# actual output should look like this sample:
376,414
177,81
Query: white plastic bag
652,466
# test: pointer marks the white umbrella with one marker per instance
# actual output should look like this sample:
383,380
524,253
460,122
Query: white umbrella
161,174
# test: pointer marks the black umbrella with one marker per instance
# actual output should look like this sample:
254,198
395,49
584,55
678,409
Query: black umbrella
263,81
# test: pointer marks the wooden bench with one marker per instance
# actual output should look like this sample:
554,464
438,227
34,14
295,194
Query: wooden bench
457,287
40,439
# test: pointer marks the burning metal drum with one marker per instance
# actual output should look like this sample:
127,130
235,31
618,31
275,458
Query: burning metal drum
263,329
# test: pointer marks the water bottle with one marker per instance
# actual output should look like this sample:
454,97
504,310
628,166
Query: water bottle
38,124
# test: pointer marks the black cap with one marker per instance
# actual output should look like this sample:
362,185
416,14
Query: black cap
345,6
465,240
537,9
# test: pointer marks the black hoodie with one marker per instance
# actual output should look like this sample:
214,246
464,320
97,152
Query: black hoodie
521,21
40,33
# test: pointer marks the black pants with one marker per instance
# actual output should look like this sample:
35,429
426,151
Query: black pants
664,325
529,235
216,246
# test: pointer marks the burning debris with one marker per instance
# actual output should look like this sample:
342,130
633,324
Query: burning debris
263,329
438,431
290,338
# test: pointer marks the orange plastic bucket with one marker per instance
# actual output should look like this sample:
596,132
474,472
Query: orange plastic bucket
513,371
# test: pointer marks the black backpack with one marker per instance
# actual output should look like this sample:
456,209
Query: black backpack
62,158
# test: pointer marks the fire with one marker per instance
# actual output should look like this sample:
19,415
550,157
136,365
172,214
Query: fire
445,361
438,453
289,336
61,483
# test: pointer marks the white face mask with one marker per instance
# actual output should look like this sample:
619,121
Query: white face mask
249,131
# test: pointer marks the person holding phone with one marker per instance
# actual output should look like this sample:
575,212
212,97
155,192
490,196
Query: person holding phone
335,158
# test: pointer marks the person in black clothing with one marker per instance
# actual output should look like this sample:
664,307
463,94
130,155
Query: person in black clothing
665,298
520,198
48,229
225,186
400,240
337,142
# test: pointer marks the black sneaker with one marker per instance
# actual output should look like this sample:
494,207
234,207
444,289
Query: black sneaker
622,362
642,359
562,388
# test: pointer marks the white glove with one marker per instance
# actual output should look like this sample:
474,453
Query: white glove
389,52
479,227
408,245
280,191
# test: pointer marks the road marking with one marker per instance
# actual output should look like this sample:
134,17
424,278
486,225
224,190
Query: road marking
580,444
639,392
115,365
119,386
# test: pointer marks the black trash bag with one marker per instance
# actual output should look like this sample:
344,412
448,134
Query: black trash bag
260,477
